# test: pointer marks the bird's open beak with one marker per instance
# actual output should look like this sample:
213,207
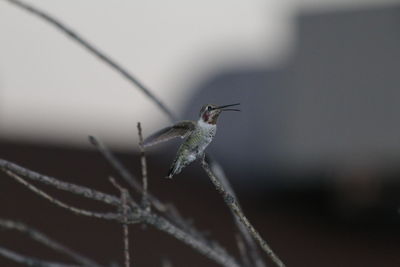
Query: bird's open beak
224,108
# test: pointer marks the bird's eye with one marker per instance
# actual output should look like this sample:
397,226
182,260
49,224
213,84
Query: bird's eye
209,108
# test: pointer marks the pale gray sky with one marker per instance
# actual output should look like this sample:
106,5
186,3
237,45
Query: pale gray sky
52,90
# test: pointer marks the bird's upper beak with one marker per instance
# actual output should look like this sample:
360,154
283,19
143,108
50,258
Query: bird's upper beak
224,108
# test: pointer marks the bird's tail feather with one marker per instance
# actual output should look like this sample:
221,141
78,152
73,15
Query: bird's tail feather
173,170
170,173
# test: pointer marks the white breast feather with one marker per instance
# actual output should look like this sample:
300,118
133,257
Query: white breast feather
206,126
209,132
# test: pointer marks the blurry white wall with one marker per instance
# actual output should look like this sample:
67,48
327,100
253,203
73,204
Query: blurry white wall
52,90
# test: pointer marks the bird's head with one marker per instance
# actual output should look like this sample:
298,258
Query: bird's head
209,113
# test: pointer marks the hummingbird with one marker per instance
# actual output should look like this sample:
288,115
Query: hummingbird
197,134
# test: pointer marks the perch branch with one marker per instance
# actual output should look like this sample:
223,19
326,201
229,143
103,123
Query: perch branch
43,239
232,203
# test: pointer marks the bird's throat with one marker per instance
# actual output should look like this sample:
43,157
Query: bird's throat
206,117
209,119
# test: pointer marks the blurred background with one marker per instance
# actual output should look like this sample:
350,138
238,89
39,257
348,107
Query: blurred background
314,155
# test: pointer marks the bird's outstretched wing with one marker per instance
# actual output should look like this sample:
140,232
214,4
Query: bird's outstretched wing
181,129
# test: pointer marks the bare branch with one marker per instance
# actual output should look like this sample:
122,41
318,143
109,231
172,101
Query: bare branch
43,239
124,200
69,187
29,261
232,203
94,51
209,249
145,201
212,252
126,234
107,216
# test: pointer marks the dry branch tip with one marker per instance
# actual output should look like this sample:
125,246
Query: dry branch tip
93,140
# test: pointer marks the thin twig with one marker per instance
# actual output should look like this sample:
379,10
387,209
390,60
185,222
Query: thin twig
145,201
231,202
95,51
107,216
126,233
43,239
29,261
61,185
124,200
